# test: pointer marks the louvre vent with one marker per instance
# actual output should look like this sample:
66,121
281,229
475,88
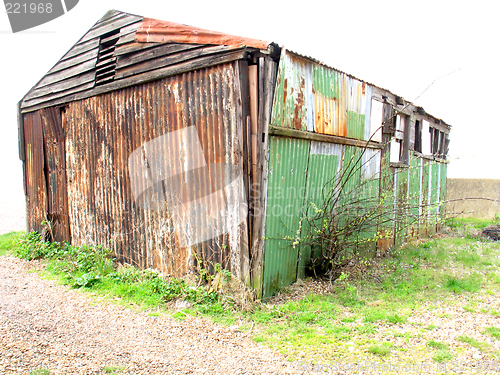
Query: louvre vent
106,60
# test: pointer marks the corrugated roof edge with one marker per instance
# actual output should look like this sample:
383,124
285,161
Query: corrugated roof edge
158,31
420,110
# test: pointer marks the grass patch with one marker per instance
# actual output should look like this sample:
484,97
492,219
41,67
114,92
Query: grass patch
437,345
442,355
471,284
8,242
481,346
381,350
113,369
40,371
493,332
344,324
92,268
467,223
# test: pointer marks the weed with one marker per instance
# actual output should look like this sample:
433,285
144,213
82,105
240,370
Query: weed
470,284
396,318
113,369
373,315
366,329
31,246
381,350
469,309
482,346
493,332
442,355
350,319
92,267
40,371
437,345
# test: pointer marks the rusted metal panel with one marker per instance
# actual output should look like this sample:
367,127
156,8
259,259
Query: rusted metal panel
310,96
55,173
293,105
266,83
202,108
36,187
152,30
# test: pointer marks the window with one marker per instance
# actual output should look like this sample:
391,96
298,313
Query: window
418,136
429,140
399,146
439,143
395,156
376,118
426,138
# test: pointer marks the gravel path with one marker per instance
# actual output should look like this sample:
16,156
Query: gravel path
46,325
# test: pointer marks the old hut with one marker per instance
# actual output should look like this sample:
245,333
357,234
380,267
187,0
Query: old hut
178,147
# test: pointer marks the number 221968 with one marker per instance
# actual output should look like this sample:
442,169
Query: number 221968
17,8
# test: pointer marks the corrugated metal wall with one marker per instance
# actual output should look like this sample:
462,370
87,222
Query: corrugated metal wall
312,97
285,197
322,176
301,174
101,134
36,191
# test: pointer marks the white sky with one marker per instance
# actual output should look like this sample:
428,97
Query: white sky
399,45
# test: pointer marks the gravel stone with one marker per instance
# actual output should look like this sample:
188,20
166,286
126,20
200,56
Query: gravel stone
44,325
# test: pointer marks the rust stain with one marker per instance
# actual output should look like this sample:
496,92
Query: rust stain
36,188
299,106
157,31
89,145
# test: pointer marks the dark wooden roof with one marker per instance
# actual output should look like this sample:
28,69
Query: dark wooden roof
110,56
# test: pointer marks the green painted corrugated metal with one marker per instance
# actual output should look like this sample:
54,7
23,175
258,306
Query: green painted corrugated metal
290,108
349,180
313,97
288,160
387,195
414,194
424,218
442,184
401,223
355,125
359,197
322,172
434,196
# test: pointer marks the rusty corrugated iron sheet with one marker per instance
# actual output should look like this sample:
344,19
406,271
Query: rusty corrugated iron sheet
157,31
55,173
101,134
310,96
36,193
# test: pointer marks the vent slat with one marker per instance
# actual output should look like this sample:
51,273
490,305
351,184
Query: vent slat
106,60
